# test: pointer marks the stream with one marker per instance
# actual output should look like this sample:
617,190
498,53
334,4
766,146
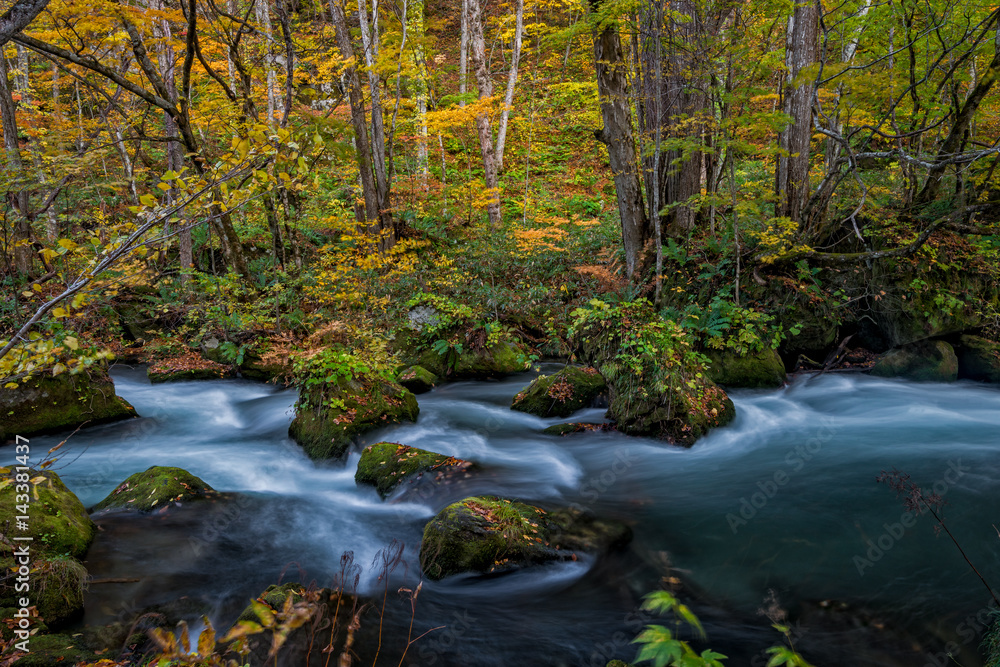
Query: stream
784,499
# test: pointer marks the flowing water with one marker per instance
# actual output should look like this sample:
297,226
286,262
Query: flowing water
783,499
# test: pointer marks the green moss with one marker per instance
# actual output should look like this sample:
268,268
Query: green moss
385,465
978,359
52,403
928,361
505,357
618,663
157,487
59,523
49,650
187,374
325,429
417,379
577,427
561,394
486,534
761,369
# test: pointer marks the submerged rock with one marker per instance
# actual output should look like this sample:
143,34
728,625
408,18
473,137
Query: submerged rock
752,371
979,359
45,404
156,488
329,417
386,465
417,379
561,394
577,427
484,534
926,360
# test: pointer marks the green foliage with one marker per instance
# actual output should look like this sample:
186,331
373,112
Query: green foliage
320,374
661,646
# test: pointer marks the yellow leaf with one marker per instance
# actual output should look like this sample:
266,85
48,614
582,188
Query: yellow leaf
163,186
60,312
58,369
10,385
66,243
71,342
147,200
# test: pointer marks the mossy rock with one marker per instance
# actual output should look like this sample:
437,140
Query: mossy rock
46,404
577,427
257,363
330,418
417,379
753,371
48,650
492,361
58,523
213,372
978,359
156,488
927,361
386,465
274,597
56,588
485,534
561,394
618,663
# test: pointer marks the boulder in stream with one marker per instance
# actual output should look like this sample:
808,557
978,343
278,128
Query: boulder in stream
330,416
926,360
485,534
978,359
61,533
156,488
45,404
417,379
752,371
561,394
386,465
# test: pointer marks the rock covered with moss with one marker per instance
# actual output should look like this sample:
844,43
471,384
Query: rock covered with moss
329,418
417,379
484,534
752,371
657,385
577,427
45,404
156,488
61,533
978,359
926,360
561,394
386,465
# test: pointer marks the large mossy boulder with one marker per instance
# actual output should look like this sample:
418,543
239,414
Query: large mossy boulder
927,361
561,394
752,371
386,465
49,650
61,533
417,379
156,488
657,385
475,362
45,404
978,359
485,534
329,417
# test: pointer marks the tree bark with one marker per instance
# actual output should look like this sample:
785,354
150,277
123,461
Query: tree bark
483,127
508,98
792,173
18,17
612,86
21,236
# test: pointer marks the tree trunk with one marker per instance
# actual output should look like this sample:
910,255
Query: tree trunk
792,174
483,128
463,55
612,86
508,98
20,234
263,13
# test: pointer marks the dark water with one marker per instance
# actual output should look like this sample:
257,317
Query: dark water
784,499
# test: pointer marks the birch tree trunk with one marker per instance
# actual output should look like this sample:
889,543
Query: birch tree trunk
463,55
508,98
483,128
263,14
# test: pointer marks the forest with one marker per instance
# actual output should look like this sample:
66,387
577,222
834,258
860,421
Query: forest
615,328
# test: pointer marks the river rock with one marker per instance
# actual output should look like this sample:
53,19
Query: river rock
417,379
753,371
156,488
329,417
561,394
657,384
577,427
386,465
484,534
978,359
928,361
61,533
45,404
